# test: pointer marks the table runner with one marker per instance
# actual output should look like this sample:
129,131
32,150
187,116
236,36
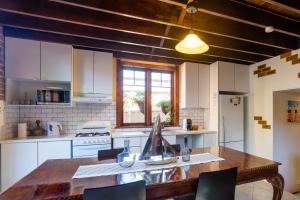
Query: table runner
87,171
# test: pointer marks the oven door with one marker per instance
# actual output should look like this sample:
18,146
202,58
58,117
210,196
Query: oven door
85,151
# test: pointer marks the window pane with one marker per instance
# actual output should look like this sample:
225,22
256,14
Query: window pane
128,77
134,97
166,80
139,78
156,79
161,96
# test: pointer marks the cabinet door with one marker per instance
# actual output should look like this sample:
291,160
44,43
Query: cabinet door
17,160
53,150
83,69
135,149
203,80
22,58
103,73
209,140
226,76
189,85
133,142
56,61
241,78
171,139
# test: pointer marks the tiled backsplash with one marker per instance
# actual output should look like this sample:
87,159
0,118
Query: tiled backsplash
71,117
195,114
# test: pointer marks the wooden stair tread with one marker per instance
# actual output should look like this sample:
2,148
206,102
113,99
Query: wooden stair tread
284,55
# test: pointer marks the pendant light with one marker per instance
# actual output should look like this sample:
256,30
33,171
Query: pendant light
192,44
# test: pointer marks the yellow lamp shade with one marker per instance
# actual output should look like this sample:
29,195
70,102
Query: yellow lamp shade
191,44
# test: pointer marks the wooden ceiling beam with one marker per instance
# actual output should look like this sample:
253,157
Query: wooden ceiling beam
99,17
243,13
125,38
114,47
206,23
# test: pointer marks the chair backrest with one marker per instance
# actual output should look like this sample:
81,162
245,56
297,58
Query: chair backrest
108,154
129,191
217,185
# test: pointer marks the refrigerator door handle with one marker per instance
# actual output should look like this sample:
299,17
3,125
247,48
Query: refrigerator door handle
224,132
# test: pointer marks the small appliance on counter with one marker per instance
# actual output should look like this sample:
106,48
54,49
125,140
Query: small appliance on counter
187,124
54,128
38,130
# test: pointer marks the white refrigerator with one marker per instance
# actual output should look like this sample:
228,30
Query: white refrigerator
231,122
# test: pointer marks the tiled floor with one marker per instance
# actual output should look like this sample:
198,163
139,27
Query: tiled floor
260,190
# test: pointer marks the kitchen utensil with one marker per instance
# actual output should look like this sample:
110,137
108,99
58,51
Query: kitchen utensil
38,130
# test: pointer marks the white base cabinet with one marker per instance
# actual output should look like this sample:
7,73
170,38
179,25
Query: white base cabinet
53,150
134,143
17,160
20,158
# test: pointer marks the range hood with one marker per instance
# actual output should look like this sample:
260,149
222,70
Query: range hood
93,98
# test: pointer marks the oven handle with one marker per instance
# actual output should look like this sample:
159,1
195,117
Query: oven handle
92,148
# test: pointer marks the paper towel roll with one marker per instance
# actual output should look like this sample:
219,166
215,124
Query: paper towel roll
22,130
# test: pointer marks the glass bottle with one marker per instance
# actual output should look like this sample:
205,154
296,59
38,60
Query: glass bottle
126,158
185,151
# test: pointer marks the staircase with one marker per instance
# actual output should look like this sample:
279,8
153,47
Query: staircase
290,57
262,122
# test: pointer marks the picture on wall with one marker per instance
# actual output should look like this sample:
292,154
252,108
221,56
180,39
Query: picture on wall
293,111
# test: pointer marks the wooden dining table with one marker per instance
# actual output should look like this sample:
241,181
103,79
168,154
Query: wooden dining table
53,179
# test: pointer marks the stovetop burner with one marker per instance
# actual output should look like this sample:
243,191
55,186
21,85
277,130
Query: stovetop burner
92,134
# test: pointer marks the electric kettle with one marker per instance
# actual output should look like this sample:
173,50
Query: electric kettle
54,128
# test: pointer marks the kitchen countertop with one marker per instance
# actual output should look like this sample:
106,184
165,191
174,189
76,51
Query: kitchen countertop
172,131
38,139
116,133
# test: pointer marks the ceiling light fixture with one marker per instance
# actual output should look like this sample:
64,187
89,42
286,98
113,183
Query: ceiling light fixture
192,44
269,29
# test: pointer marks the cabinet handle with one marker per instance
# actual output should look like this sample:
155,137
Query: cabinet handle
224,132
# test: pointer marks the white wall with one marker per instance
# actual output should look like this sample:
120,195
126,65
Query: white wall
261,101
286,141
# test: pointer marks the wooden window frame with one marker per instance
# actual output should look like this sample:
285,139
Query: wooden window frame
148,69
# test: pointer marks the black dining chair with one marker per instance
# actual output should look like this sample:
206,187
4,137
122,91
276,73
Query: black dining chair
215,186
109,154
129,191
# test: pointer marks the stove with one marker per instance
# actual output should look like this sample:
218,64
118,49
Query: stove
92,134
91,137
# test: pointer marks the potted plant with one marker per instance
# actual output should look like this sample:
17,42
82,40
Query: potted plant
165,106
139,99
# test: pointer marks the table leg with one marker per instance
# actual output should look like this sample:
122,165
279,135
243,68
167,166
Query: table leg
277,182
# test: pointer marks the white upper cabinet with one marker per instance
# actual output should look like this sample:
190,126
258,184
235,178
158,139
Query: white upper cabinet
103,71
241,74
189,85
36,60
194,85
233,77
56,61
22,58
83,72
92,72
226,76
203,86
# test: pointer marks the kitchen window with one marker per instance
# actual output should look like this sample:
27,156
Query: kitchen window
143,92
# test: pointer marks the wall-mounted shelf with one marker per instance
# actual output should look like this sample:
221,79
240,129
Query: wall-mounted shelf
22,92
